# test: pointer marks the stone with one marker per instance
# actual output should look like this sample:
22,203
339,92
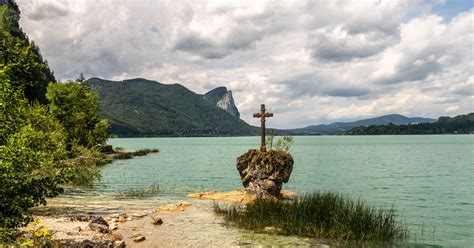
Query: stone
183,204
120,244
263,172
139,238
99,228
114,227
98,224
155,220
139,215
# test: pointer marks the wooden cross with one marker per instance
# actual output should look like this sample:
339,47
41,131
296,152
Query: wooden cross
262,116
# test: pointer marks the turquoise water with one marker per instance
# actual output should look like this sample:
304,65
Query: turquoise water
429,179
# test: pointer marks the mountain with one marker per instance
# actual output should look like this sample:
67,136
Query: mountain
223,99
340,127
461,124
140,107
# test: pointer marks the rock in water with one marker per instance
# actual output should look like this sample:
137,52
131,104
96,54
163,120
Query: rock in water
263,173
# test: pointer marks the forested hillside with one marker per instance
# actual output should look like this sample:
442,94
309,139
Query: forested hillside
140,107
461,124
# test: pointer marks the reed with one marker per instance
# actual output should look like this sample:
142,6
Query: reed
325,215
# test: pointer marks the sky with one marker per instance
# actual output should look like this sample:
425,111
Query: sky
309,61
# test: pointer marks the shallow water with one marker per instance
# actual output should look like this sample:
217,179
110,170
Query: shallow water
429,179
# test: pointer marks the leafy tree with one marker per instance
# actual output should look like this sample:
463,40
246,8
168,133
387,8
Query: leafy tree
41,147
75,106
32,148
20,59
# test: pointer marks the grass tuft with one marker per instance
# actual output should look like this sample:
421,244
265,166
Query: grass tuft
325,215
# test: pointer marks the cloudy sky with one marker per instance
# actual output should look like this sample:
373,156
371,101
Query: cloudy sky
311,62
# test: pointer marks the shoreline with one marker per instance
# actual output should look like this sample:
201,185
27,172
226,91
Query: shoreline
185,223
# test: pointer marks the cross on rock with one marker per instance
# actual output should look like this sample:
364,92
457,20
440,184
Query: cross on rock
262,116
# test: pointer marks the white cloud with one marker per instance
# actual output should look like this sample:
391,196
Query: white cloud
309,61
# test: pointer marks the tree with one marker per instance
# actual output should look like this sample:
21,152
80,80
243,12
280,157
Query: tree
32,148
75,106
81,78
20,59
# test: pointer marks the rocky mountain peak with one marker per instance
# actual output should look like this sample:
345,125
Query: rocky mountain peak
223,99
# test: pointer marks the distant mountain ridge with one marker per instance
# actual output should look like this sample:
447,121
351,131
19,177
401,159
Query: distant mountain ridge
141,108
461,124
222,98
340,127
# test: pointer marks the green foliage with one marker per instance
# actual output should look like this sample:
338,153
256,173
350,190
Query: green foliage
283,144
75,106
41,148
20,59
140,107
322,215
40,235
31,148
269,141
445,125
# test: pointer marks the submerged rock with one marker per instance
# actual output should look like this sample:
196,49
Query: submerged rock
263,173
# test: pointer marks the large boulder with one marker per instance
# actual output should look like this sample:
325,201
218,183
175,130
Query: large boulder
263,173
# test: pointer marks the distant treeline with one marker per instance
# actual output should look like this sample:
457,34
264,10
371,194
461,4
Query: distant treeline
461,124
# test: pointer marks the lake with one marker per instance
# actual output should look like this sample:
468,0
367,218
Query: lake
428,179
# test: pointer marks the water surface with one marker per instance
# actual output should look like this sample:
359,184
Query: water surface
429,179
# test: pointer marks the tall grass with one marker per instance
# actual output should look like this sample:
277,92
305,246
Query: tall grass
323,215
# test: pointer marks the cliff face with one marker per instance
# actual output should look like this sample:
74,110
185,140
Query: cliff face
223,99
227,103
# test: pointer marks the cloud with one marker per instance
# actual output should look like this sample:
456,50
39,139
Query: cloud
38,11
310,61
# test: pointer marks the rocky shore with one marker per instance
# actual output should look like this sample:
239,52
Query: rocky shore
181,224
116,230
